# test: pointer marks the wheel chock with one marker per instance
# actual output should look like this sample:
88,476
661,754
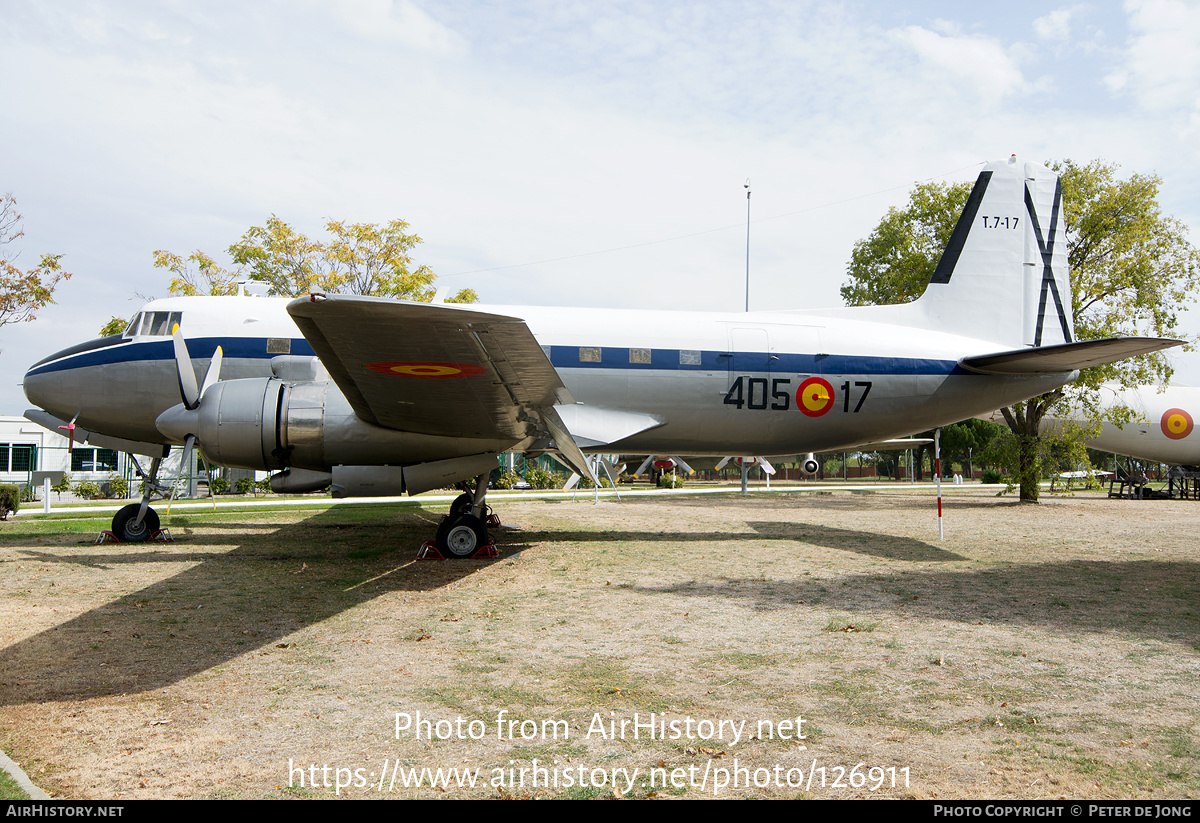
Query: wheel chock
160,536
429,551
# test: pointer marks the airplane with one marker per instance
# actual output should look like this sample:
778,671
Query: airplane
374,396
1163,431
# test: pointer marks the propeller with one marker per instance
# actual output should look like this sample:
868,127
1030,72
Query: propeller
189,392
176,423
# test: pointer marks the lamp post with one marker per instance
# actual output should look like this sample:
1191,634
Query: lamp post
746,185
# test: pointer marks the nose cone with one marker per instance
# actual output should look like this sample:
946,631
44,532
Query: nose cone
177,422
54,383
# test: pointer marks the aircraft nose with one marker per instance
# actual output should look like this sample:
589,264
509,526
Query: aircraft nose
177,422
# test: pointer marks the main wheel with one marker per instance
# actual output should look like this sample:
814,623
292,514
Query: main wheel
128,530
460,535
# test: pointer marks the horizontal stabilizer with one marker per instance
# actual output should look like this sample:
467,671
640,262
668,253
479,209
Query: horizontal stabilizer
1066,357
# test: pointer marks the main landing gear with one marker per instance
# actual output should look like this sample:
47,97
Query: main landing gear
463,532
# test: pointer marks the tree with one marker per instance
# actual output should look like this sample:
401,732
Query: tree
359,258
1130,267
202,276
23,292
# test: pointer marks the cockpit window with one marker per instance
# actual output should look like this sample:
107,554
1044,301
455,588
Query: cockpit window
132,328
158,323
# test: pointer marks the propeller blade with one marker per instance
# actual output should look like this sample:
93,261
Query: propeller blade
724,460
214,372
645,465
767,467
679,462
189,392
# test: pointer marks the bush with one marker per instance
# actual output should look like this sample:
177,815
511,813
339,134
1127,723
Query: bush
87,489
219,485
117,486
244,485
507,480
667,481
10,500
61,486
991,476
539,478
263,485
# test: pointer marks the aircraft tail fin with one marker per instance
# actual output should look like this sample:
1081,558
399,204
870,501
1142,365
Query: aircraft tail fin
1004,274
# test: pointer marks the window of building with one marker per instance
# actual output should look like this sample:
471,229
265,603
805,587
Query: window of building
18,457
93,460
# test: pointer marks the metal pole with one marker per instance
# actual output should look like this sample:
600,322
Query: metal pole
747,186
937,469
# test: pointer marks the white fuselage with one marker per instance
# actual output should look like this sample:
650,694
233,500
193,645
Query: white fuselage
724,383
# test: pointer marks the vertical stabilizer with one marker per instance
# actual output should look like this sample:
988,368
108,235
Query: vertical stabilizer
1003,275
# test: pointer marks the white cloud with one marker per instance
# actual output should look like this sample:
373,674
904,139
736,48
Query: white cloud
397,21
1161,62
1056,25
951,58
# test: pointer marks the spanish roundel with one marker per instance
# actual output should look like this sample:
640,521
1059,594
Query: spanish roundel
427,371
1177,424
814,397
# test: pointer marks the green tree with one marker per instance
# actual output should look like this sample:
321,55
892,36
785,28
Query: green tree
1130,265
358,258
197,275
23,291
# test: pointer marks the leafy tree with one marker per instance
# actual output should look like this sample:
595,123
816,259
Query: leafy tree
1130,267
197,275
895,263
115,325
359,258
23,291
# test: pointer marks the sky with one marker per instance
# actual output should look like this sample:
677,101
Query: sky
558,152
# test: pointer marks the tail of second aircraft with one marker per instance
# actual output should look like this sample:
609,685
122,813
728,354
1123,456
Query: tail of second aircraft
1004,274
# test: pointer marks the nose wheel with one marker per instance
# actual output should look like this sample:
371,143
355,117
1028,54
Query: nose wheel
137,522
129,528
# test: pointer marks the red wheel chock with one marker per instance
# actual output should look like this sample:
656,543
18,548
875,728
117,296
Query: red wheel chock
428,551
160,536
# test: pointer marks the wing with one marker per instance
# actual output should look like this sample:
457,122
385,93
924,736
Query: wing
440,370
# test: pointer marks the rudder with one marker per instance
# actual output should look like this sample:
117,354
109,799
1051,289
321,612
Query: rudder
1004,273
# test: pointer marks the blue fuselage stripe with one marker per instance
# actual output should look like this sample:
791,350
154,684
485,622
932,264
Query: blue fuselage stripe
562,357
615,357
249,348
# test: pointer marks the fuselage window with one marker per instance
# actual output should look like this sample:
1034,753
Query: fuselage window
639,356
589,354
689,357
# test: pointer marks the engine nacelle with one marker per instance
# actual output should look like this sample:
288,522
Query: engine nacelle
810,465
268,424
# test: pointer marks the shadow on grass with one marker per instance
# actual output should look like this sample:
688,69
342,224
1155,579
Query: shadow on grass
1147,598
232,601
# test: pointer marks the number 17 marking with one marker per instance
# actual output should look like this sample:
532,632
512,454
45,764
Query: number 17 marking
865,385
